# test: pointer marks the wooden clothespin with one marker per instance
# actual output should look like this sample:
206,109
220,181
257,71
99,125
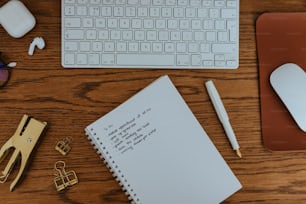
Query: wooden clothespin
23,141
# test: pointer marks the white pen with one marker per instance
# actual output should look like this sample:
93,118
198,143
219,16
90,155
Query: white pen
222,115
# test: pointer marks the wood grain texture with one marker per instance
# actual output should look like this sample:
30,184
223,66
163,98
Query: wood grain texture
70,99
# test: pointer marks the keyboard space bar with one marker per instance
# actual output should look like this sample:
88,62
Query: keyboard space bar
145,60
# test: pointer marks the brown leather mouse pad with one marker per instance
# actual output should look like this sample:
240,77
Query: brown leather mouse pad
281,38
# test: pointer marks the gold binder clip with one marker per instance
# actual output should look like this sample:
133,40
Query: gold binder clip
64,179
63,145
23,142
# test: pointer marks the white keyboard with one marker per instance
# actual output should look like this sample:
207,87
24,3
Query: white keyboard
176,34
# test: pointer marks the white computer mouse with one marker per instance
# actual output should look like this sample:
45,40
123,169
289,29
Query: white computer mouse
289,82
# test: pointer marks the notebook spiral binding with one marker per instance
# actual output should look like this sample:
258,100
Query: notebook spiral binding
114,168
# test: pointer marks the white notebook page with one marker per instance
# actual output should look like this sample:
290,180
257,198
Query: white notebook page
160,152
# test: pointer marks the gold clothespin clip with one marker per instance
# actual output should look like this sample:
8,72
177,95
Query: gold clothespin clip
63,145
64,179
23,141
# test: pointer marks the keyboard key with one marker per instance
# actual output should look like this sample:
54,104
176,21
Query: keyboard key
69,10
81,10
145,2
94,11
179,12
82,1
157,47
171,2
103,35
173,24
93,59
97,46
228,13
148,23
199,36
158,2
74,34
69,59
130,11
95,1
71,46
108,59
81,59
232,26
182,2
231,3
72,22
91,34
219,3
181,47
145,47
120,2
193,47
175,36
160,23
133,47
187,36
139,35
169,47
196,25
136,23
202,13
204,48
69,1
109,46
211,36
108,2
85,46
132,2
223,48
124,23
127,35
190,12
163,35
100,23
207,3
121,47
118,11
166,12
232,63
106,11
155,12
145,60
195,3
151,35
220,24
184,24
196,60
183,60
220,63
88,22
214,13
222,36
115,35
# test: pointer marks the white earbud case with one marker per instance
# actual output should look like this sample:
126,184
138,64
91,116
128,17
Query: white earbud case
16,19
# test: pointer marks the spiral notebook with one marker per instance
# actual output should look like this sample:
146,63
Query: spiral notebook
159,152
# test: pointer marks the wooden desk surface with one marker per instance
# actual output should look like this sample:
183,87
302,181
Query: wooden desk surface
70,99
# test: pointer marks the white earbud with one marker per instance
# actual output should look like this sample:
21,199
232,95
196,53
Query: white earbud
39,42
